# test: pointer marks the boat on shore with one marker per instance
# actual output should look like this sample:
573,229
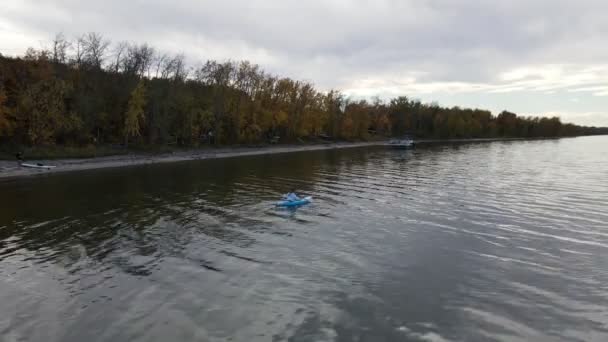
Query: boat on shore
403,143
37,166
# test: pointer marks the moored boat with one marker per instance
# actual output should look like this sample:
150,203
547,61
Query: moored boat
37,166
405,142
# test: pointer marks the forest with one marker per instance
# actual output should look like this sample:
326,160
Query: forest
89,92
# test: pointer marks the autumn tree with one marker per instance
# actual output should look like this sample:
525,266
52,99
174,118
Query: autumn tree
42,110
89,91
135,112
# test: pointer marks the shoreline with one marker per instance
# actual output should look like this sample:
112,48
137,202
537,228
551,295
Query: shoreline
11,169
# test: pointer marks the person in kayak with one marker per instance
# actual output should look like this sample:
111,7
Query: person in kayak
292,196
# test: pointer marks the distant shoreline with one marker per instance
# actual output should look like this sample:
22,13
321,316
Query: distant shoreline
11,169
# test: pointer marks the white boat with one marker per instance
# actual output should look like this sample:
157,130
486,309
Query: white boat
406,142
38,166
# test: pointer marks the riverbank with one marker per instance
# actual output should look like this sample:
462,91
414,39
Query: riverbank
12,169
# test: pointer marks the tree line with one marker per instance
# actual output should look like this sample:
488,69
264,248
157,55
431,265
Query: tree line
89,91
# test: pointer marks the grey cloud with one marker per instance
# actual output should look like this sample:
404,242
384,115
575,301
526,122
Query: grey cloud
338,42
412,31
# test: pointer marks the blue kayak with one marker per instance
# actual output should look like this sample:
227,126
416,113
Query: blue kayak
303,201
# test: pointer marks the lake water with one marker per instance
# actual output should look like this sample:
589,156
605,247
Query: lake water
502,241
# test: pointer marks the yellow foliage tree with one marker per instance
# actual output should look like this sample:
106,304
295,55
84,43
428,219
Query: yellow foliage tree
42,107
135,112
347,126
280,119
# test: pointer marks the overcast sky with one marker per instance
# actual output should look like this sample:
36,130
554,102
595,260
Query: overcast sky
533,57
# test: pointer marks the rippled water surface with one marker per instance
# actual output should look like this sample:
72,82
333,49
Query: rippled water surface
503,241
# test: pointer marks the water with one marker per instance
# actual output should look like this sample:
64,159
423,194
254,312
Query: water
504,241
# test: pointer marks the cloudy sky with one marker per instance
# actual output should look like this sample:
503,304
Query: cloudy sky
533,57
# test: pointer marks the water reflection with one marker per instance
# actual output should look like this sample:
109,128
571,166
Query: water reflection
492,242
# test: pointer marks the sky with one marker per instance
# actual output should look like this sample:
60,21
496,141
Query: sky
532,57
